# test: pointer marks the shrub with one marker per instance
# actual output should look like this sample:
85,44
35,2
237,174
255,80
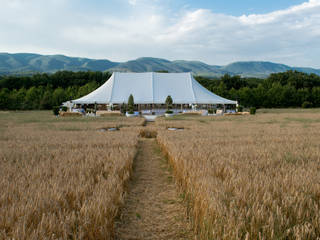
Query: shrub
253,110
210,111
240,108
169,112
306,104
123,108
169,102
130,103
64,109
55,110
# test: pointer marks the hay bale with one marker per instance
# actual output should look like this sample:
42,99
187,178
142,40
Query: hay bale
108,113
245,113
70,114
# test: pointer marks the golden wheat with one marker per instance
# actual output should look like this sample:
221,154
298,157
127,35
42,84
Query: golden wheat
62,179
248,177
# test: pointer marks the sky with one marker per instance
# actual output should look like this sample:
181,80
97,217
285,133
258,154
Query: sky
216,32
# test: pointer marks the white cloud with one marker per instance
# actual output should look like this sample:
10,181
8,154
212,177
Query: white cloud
133,2
288,36
303,8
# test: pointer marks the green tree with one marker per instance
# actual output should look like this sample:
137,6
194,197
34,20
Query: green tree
288,96
4,98
274,95
316,96
258,96
233,94
58,97
32,99
169,102
87,88
303,95
245,95
131,104
46,100
20,98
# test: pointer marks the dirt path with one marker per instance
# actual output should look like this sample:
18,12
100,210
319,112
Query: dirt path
153,208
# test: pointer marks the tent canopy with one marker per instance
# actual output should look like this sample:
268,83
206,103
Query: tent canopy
152,88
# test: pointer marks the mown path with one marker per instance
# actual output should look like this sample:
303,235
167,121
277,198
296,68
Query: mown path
153,208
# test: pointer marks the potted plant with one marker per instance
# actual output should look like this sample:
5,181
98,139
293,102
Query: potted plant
130,113
169,112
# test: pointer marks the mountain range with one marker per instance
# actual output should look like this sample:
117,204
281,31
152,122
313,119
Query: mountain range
29,63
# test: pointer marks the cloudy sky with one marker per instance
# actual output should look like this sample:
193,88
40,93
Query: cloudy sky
214,31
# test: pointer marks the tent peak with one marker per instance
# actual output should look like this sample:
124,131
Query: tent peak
152,88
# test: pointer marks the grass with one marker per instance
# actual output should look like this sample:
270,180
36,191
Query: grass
253,179
60,178
242,177
288,110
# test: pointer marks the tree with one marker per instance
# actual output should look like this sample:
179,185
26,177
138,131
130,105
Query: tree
86,89
246,97
131,104
288,96
20,98
169,102
303,95
32,98
274,95
316,96
58,97
46,100
4,98
259,96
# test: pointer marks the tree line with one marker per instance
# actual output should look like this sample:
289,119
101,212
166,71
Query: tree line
287,89
43,91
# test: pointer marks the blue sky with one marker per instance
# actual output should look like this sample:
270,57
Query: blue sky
231,7
216,32
238,7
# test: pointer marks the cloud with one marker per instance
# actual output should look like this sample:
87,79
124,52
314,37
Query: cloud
289,36
133,2
304,8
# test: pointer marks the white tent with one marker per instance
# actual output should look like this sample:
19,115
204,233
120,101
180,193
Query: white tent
152,88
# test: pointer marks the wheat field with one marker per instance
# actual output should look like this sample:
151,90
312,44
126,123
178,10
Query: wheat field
248,177
62,178
242,177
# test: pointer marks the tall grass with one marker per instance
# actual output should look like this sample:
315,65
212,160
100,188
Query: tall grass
257,177
61,179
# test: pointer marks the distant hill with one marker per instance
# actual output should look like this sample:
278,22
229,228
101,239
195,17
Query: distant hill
27,62
22,63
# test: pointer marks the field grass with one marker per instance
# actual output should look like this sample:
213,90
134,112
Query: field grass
243,177
249,177
61,178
